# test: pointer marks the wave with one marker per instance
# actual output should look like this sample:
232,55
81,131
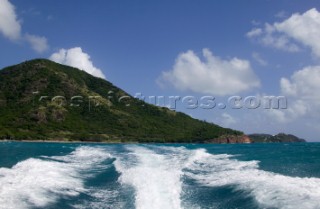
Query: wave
150,176
40,182
268,189
155,177
100,199
157,173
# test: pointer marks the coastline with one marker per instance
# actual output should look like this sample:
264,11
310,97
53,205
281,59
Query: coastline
69,142
134,142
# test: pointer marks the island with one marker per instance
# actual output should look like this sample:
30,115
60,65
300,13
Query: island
281,137
46,101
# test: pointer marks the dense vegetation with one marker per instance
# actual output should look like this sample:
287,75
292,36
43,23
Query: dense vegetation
95,115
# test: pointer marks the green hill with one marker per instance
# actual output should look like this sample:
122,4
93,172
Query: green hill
87,109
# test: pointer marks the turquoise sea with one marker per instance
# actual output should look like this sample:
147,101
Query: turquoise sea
159,176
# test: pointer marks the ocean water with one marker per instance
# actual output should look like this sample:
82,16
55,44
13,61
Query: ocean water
57,175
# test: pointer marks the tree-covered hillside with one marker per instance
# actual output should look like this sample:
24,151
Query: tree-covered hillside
43,100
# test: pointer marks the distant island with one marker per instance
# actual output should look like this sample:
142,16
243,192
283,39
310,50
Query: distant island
256,138
44,100
281,137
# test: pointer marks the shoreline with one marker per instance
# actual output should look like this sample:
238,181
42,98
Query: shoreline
133,142
68,142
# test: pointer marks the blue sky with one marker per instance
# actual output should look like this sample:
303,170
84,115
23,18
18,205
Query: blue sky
198,48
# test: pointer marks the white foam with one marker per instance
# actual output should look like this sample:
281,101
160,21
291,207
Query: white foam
156,174
101,198
269,189
155,177
40,182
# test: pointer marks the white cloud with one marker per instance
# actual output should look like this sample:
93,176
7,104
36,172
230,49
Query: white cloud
257,57
38,43
213,75
9,25
227,120
11,28
304,84
305,28
296,109
254,32
75,57
302,91
269,36
300,28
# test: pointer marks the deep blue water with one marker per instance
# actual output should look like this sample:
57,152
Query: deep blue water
57,175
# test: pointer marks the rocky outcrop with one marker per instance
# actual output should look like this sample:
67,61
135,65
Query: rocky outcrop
231,139
256,138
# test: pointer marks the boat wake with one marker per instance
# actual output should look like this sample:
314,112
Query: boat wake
37,183
156,177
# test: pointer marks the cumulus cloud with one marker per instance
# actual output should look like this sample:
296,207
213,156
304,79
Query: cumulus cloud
305,28
38,43
269,36
302,90
297,108
212,75
302,87
75,57
299,28
304,84
11,28
9,25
